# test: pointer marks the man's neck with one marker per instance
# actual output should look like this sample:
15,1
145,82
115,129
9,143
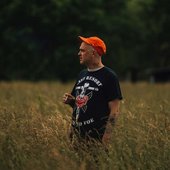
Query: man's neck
95,67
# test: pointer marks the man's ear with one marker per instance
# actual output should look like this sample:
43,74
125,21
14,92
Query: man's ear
94,52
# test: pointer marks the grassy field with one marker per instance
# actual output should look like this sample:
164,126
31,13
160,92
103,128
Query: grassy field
34,125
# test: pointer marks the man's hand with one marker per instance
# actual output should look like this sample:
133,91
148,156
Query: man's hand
106,140
68,99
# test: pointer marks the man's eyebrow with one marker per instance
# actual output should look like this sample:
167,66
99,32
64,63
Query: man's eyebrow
81,49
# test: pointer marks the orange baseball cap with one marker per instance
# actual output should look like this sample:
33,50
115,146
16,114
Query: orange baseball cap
96,43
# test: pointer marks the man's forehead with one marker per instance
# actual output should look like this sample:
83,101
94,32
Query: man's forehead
85,46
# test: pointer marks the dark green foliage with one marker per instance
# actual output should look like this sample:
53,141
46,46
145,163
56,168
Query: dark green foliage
39,38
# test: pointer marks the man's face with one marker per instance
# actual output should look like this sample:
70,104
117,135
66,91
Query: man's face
85,54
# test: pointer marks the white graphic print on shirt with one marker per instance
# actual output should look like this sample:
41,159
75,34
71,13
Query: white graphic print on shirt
82,98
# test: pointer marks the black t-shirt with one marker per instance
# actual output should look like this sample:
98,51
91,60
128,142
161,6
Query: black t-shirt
93,91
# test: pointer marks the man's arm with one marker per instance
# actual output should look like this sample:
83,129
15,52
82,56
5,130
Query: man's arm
114,113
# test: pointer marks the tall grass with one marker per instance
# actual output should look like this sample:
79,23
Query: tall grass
34,124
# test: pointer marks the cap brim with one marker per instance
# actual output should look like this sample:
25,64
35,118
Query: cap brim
83,39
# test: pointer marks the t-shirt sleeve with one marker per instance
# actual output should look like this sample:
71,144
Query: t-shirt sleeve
112,88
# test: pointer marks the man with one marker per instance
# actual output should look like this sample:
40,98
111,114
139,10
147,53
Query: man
96,95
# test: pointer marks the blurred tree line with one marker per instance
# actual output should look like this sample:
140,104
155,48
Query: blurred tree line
39,37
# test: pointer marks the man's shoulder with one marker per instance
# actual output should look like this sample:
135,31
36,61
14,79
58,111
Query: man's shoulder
110,72
82,73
